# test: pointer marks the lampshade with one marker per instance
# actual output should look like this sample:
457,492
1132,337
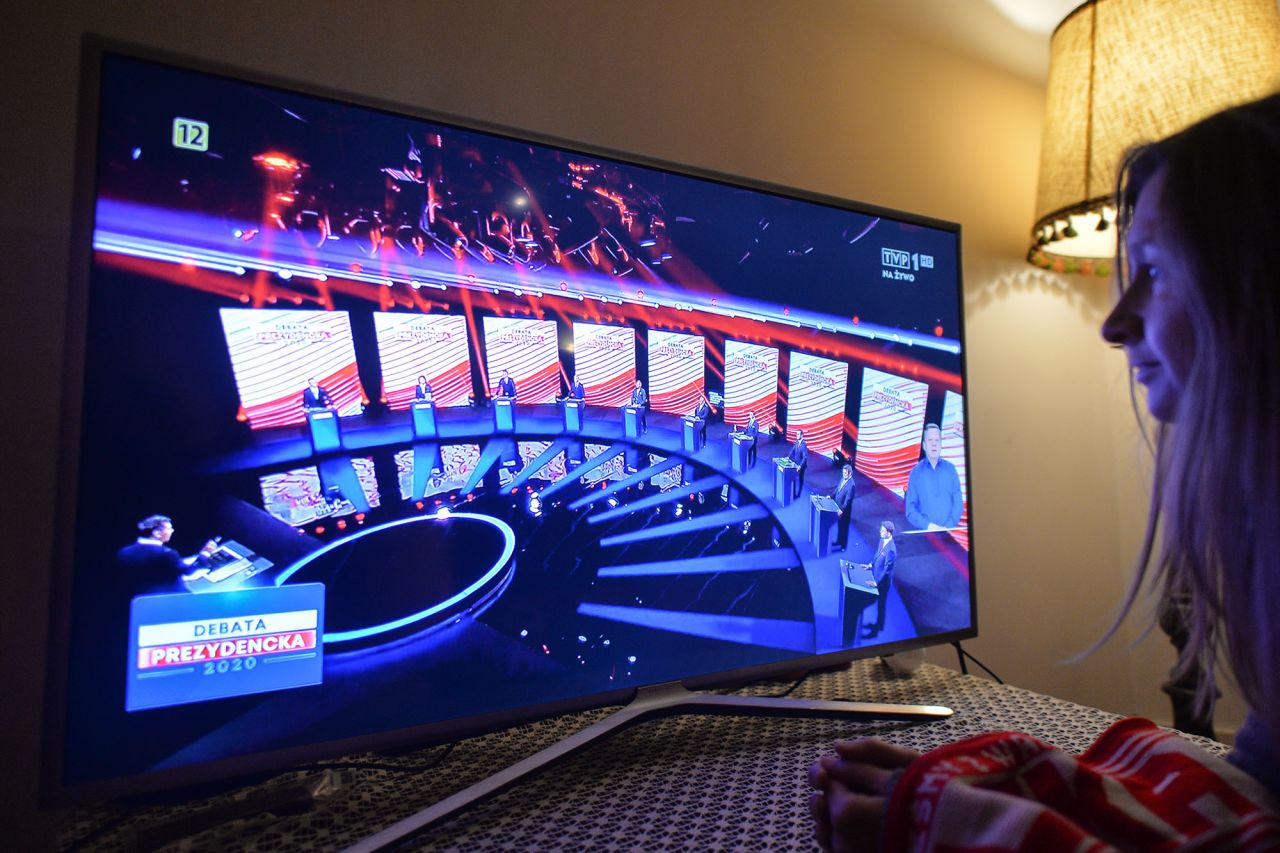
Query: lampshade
1124,72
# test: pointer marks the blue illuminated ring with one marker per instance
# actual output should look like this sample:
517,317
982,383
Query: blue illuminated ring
508,549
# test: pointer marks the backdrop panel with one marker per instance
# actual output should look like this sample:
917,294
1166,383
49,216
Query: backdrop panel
605,361
750,383
815,401
677,372
890,421
953,451
430,345
274,353
527,348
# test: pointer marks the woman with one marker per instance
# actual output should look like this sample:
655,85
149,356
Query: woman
1199,320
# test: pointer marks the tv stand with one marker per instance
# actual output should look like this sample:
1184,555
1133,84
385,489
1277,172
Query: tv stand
649,703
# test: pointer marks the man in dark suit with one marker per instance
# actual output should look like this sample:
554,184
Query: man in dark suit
150,565
577,391
843,496
640,399
314,397
507,385
753,432
882,570
422,391
703,411
800,456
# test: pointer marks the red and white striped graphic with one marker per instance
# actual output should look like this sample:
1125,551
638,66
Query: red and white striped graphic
604,360
815,401
953,451
274,353
890,421
677,371
527,348
430,345
750,383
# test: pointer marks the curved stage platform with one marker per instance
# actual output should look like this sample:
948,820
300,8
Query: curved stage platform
605,478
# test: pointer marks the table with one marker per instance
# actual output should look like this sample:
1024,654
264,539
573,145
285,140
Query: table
324,430
631,417
677,783
504,414
823,512
692,436
572,415
424,418
738,452
785,474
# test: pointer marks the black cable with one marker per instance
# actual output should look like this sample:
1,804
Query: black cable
964,654
82,843
964,667
375,765
789,690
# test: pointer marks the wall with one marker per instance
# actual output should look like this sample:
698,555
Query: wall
826,96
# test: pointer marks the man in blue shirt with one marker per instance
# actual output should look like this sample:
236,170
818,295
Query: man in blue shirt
933,489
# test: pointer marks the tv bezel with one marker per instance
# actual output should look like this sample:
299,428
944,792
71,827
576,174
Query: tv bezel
54,791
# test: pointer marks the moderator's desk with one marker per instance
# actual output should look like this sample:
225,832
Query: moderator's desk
678,783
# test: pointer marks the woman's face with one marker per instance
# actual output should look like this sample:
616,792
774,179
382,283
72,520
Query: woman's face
1152,319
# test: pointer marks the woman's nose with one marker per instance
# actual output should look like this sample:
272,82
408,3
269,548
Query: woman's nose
1124,324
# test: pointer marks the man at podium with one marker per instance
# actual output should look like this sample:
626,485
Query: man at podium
315,398
422,391
506,386
881,566
577,391
150,565
752,432
843,496
703,413
640,400
800,456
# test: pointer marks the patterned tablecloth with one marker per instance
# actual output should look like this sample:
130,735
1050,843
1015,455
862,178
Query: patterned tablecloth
676,783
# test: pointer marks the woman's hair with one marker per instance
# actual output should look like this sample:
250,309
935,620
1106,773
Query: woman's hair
1213,532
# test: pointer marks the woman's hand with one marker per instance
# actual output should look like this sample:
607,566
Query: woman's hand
850,792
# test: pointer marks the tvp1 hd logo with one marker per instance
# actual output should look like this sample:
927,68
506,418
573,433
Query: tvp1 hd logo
901,265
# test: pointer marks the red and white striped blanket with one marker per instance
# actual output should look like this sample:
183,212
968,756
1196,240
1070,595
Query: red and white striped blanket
1136,788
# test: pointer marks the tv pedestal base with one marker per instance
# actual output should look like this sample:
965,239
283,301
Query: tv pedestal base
650,702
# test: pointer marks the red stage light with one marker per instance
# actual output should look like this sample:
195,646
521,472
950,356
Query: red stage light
856,320
319,529
342,524
937,330
356,267
359,516
418,504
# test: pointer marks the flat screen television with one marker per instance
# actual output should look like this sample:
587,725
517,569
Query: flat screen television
385,427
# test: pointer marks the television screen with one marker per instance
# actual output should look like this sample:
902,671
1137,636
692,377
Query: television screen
394,428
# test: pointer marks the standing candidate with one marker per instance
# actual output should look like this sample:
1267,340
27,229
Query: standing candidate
577,391
507,385
843,496
933,489
753,432
150,565
640,399
314,397
422,391
703,412
881,566
800,456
